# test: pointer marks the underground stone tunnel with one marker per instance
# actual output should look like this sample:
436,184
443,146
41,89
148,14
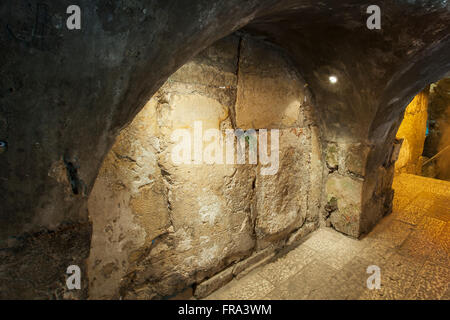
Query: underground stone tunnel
87,122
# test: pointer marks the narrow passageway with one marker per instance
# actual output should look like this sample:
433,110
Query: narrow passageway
410,246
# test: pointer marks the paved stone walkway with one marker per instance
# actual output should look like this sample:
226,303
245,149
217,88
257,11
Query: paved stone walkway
411,246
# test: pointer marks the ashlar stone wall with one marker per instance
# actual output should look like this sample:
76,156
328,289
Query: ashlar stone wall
161,228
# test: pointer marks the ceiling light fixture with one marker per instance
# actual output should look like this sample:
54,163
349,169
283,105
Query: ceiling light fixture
333,79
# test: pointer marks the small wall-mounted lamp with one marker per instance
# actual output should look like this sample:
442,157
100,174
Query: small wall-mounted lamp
333,79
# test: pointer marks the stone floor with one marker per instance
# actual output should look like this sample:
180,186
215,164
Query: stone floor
411,246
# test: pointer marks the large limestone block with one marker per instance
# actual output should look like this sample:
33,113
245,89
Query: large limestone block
127,205
281,199
214,67
347,157
356,158
184,110
345,194
270,93
209,204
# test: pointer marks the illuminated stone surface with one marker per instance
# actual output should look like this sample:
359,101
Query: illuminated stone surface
412,131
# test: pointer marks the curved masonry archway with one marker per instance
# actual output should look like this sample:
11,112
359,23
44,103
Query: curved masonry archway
66,96
172,225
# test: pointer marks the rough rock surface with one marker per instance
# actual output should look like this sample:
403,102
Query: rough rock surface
412,132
